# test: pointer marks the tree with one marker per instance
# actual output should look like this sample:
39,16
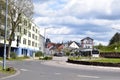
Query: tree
115,38
16,9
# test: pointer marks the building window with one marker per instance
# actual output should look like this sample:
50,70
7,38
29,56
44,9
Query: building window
29,34
19,29
24,41
36,31
33,36
29,25
25,31
25,22
29,42
33,43
33,28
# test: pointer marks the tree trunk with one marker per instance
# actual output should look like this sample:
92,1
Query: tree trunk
9,49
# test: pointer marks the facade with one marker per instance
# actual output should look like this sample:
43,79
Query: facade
87,43
26,40
87,47
42,43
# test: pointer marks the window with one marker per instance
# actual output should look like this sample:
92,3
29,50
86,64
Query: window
32,43
24,41
33,28
25,22
36,31
19,29
19,38
29,34
29,42
29,25
33,36
35,44
25,31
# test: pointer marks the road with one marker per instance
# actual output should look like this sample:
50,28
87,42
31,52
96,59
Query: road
57,69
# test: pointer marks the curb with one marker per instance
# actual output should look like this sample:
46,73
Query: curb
17,73
94,63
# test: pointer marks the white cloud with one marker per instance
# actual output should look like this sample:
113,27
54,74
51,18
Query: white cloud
73,14
59,31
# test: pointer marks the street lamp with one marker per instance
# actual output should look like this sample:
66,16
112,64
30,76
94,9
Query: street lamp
45,36
5,30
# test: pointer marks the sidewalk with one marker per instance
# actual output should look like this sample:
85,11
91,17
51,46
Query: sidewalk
31,58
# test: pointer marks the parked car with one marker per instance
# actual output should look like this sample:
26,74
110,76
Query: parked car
58,54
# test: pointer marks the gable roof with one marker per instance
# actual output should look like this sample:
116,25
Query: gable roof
87,39
75,43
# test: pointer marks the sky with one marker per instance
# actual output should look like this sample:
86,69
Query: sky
73,20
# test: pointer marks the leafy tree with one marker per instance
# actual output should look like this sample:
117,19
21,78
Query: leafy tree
16,9
115,38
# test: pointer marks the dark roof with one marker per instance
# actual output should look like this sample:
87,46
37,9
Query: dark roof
87,38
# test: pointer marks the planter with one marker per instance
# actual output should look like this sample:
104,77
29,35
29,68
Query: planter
94,63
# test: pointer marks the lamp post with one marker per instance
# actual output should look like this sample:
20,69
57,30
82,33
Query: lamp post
45,36
5,30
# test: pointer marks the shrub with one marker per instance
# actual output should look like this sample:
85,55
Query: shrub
45,58
38,54
67,53
13,55
10,69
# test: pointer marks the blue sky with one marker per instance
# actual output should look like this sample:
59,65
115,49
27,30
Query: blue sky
76,19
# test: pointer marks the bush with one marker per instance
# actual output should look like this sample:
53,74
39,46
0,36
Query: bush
10,69
13,55
45,58
38,54
67,53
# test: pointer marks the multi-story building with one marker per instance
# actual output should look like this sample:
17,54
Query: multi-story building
42,43
87,43
26,40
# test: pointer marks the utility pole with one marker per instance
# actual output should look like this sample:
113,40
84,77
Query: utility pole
5,36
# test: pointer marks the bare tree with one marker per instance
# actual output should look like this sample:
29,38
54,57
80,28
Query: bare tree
16,9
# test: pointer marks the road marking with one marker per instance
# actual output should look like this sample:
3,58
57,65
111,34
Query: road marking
86,76
57,73
24,70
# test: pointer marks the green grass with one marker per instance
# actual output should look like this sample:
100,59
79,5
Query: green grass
104,60
107,60
6,72
18,58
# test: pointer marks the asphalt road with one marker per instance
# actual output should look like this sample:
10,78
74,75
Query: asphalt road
59,70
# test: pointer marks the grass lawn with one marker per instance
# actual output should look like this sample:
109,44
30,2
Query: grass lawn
6,71
107,60
104,60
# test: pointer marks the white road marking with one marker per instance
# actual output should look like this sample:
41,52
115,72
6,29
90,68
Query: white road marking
24,70
86,76
57,73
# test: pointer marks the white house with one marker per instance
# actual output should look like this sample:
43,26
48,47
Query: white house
87,43
74,44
